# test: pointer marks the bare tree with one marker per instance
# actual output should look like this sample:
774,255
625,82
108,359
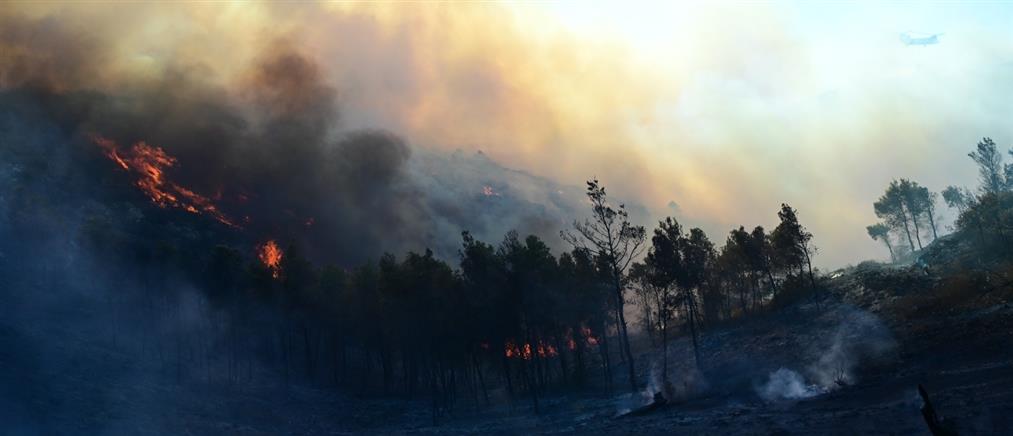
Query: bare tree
610,235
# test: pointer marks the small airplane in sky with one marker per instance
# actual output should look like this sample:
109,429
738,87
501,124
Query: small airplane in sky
911,38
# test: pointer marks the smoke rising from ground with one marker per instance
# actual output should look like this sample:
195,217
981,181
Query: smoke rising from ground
859,338
785,384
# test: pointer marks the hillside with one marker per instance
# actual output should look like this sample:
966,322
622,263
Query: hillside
849,364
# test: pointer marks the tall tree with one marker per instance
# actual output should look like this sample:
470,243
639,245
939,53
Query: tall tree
926,201
611,236
792,239
735,269
912,205
761,255
664,269
698,257
1008,173
990,167
891,209
881,232
958,198
751,252
647,297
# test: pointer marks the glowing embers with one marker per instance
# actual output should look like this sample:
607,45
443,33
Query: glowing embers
526,351
149,163
270,255
489,192
585,333
589,337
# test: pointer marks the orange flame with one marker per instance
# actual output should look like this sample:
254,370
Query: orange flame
526,351
150,163
588,336
270,255
545,350
489,192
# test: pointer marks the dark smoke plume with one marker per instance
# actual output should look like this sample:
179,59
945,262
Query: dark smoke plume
270,151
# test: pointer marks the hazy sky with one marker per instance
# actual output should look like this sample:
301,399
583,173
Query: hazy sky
816,104
724,109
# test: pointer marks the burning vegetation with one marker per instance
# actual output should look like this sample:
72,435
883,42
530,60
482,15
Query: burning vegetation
149,164
270,256
526,351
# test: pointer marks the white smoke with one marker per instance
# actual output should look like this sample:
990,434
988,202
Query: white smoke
860,336
785,384
633,400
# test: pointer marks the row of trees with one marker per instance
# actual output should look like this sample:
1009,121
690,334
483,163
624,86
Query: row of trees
684,276
908,209
420,326
510,315
989,213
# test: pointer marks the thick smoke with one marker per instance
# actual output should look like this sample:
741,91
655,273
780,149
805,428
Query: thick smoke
103,323
269,149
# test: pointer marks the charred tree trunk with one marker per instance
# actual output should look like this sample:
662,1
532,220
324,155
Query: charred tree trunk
691,311
606,364
664,350
932,224
907,229
506,373
481,379
578,354
307,352
561,355
918,231
625,342
526,374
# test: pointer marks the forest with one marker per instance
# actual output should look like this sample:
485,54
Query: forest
909,210
513,313
503,322
500,218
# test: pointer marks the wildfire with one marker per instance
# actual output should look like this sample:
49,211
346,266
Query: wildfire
270,255
489,192
591,340
150,163
526,351
585,336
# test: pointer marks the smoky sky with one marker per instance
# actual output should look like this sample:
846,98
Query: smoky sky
727,110
272,152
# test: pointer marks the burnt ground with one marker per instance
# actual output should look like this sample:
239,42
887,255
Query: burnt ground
880,332
963,359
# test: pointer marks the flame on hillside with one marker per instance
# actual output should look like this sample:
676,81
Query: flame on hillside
149,163
270,255
489,192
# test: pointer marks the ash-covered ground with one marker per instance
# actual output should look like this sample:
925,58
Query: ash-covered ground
849,365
